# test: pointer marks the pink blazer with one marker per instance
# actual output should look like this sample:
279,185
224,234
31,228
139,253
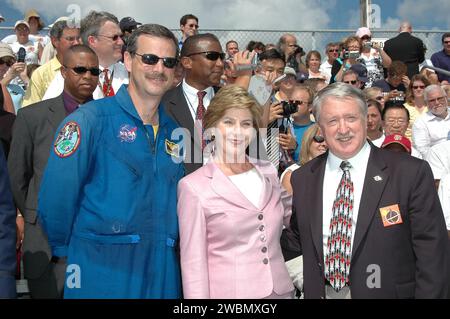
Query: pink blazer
230,248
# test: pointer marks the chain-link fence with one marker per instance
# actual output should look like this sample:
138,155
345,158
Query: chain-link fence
308,39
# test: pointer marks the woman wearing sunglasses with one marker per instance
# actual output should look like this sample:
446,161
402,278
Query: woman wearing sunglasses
313,145
415,100
231,213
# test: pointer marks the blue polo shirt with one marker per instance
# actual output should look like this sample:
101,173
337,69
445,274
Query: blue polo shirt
441,60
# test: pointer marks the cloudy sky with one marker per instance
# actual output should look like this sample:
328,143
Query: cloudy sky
242,14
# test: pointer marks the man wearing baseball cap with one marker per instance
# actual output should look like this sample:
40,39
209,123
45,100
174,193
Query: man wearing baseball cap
397,143
127,25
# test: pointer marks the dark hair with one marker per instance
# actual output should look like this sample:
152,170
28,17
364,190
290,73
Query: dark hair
397,68
255,45
445,35
31,68
77,48
272,54
375,103
409,91
191,42
92,23
394,106
186,17
155,30
231,41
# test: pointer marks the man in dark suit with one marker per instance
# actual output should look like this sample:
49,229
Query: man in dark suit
382,233
7,234
406,48
33,134
202,58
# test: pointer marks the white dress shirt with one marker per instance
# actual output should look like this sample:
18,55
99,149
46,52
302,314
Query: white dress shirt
190,93
250,184
429,130
331,180
325,69
439,159
120,76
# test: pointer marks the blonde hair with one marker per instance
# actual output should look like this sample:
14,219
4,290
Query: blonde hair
372,92
229,97
305,152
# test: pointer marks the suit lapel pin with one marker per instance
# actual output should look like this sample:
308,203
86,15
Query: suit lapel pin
377,178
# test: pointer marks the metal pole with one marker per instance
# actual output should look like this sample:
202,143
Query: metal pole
364,7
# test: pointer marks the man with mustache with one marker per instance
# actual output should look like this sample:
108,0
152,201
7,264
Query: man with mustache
33,134
382,233
109,194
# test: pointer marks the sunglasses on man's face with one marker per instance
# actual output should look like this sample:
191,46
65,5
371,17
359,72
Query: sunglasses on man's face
318,139
334,50
82,70
353,82
152,59
210,55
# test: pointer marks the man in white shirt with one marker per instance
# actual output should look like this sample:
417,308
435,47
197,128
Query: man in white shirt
101,32
433,127
332,52
382,233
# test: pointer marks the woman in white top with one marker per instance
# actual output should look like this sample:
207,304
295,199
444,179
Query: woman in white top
415,100
313,145
313,60
230,211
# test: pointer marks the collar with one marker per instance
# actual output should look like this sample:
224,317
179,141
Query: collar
432,117
357,161
54,64
192,91
263,167
123,98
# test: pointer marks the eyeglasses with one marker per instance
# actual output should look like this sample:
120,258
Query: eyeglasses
391,121
112,37
152,59
82,70
318,139
210,55
415,87
447,42
335,50
8,63
353,82
366,38
194,26
441,99
298,102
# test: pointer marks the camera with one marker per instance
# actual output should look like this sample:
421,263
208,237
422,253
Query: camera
21,55
368,45
289,108
351,54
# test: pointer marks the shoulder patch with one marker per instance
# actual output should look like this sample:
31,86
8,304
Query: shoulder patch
68,140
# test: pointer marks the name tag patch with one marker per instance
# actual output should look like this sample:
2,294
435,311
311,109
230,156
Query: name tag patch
391,215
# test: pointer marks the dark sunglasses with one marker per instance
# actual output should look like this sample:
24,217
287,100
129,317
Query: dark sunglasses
152,59
8,63
447,42
82,70
112,37
318,139
415,87
353,82
298,102
335,50
210,55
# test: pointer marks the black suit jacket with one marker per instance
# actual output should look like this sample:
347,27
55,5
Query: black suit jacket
408,49
33,134
175,104
411,256
7,234
6,124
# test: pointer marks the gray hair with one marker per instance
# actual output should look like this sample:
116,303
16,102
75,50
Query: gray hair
433,87
340,91
154,30
58,28
92,23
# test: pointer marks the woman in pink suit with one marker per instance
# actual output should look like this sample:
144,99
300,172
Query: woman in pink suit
231,212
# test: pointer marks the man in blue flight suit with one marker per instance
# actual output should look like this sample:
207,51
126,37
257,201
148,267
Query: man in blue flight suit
108,196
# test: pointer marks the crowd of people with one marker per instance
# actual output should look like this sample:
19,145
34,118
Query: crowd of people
137,165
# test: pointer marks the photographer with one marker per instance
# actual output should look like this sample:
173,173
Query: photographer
348,56
372,56
396,83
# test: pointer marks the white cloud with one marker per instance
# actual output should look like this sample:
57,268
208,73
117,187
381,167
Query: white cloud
419,12
231,14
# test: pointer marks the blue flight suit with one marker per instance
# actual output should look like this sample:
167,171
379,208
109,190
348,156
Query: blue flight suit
108,201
